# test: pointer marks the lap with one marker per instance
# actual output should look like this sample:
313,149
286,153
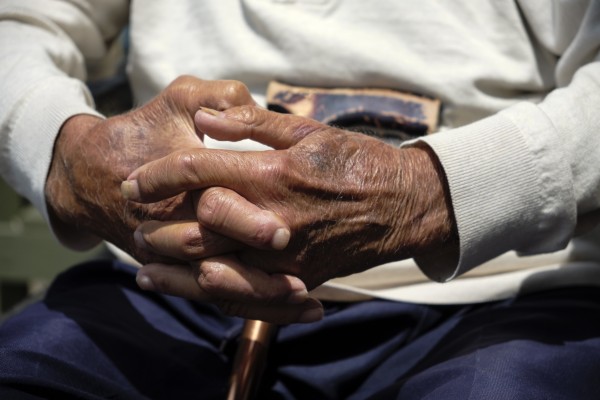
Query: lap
96,335
540,346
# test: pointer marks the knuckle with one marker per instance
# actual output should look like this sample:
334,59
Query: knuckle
253,119
234,91
213,207
193,243
275,168
249,115
262,234
182,82
185,164
180,85
303,128
210,279
181,91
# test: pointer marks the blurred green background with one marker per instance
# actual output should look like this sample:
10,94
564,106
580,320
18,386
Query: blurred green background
30,256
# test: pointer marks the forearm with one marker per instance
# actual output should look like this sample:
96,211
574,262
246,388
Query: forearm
67,213
433,224
41,81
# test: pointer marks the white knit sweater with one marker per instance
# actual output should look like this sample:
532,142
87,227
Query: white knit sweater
519,81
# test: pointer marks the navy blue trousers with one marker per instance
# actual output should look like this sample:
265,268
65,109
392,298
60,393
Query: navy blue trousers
96,336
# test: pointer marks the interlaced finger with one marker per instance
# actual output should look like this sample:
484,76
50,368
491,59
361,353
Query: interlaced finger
279,131
231,215
187,170
236,289
182,240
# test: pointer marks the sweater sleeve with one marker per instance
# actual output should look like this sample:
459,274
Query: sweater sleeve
44,51
521,179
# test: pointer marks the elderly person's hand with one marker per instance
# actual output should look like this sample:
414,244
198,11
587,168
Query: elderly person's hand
92,156
351,201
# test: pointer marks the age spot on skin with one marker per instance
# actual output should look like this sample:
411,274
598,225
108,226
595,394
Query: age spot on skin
320,155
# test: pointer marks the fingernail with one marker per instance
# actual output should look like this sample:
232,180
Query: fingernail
209,111
311,315
144,282
280,239
206,115
138,238
130,190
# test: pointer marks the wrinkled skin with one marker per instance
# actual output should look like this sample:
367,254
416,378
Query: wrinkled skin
351,201
92,156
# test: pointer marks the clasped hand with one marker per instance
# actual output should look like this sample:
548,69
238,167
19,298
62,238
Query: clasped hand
337,203
92,156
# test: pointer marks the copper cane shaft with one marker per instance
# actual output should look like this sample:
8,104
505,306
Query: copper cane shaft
250,359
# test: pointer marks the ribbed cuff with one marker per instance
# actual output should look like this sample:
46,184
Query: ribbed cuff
509,188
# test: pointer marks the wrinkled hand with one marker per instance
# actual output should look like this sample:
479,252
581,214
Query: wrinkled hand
93,156
351,201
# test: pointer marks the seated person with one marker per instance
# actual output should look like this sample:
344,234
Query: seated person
340,238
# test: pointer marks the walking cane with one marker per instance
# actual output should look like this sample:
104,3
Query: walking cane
250,359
